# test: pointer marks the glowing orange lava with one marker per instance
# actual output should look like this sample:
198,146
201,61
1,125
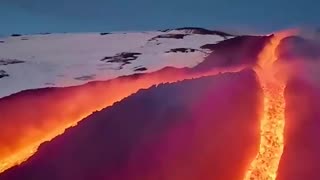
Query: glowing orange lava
265,165
32,118
266,162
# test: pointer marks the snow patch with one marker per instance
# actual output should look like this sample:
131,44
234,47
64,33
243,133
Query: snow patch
73,59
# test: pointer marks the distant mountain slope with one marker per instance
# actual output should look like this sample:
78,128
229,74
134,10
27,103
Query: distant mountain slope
238,51
55,60
173,131
197,30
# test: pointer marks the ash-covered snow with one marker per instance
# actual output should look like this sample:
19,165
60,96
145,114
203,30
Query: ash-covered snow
46,60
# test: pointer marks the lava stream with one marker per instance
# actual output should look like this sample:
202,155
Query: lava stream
266,162
33,117
265,165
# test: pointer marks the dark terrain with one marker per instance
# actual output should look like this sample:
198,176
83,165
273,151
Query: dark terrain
123,58
3,74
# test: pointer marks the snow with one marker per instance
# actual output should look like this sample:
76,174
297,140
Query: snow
59,60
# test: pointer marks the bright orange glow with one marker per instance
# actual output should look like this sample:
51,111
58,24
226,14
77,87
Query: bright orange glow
265,165
266,162
29,119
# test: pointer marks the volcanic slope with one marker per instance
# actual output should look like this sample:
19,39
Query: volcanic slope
24,127
62,60
301,156
171,131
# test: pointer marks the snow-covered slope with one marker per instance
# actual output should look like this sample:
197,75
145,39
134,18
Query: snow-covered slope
54,60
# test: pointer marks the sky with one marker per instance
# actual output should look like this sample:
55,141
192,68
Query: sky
39,16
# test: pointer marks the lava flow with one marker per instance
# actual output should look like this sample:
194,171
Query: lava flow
33,117
266,162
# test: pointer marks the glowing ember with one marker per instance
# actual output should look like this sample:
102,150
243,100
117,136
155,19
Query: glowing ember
266,162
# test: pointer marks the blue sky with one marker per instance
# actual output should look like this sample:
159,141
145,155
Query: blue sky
36,16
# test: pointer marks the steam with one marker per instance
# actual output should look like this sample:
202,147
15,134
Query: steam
299,57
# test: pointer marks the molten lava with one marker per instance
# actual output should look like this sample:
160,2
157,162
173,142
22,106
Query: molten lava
265,165
266,162
31,118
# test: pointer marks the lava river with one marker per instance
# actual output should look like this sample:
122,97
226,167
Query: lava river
265,165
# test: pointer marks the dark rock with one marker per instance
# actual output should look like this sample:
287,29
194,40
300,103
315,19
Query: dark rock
104,33
182,50
141,69
238,51
15,35
4,62
169,36
123,58
3,74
